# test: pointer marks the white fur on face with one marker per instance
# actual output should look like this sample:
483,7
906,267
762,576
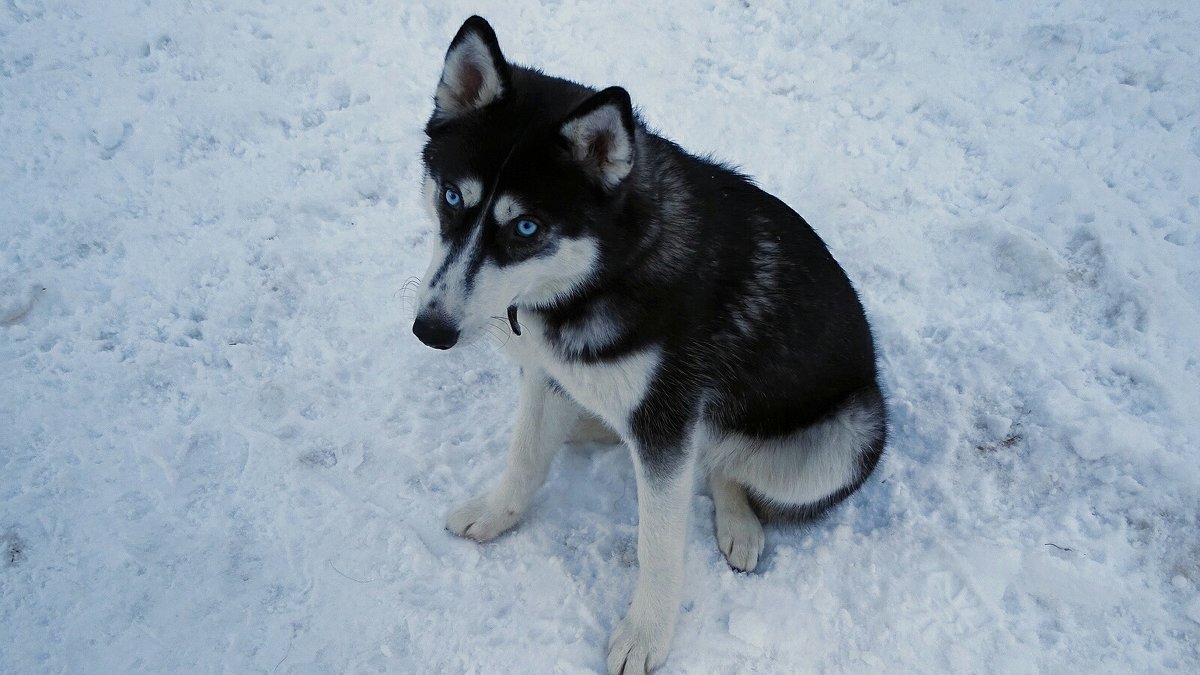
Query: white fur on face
450,289
601,129
543,280
471,190
430,197
537,281
469,79
507,207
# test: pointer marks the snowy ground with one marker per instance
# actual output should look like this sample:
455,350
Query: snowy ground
221,449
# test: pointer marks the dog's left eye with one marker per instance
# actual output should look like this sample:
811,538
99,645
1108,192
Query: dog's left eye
526,227
453,198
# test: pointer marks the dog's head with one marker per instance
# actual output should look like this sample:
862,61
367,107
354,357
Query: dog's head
523,173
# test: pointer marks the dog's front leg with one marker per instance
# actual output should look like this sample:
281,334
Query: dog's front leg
664,488
544,416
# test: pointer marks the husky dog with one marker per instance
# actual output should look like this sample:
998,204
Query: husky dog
700,318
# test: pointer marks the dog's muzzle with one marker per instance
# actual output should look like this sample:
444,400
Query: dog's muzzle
435,331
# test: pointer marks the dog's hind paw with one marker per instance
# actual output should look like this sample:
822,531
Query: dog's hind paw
480,519
741,538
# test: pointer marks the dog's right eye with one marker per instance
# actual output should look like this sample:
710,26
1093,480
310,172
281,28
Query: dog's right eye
453,198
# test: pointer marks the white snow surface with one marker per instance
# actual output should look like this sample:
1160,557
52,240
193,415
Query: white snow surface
222,450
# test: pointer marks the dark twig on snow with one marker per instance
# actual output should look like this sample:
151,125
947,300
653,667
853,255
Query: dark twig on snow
357,581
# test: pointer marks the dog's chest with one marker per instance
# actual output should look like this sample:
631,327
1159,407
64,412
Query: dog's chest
610,389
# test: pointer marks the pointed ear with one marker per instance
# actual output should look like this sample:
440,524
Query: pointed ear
600,136
475,73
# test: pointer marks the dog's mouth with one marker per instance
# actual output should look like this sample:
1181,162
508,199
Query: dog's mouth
435,331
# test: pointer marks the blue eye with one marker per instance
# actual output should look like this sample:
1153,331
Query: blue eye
453,198
526,227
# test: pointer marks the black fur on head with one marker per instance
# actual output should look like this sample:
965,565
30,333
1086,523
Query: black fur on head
565,150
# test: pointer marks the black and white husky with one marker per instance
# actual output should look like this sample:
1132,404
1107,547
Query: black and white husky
697,316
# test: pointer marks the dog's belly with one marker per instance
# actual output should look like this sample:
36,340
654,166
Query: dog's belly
609,389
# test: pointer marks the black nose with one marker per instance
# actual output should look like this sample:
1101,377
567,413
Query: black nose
435,332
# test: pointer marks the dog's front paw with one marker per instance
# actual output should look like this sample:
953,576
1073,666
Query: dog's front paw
480,519
638,647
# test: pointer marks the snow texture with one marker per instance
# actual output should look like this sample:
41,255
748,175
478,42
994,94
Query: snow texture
221,449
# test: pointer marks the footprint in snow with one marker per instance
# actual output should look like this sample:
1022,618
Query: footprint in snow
110,135
16,299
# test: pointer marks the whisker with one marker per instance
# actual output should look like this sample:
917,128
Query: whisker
494,329
501,333
503,321
407,292
494,336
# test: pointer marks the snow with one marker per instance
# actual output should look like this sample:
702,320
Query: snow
221,449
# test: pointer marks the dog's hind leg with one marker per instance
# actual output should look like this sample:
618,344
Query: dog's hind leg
739,531
544,416
802,475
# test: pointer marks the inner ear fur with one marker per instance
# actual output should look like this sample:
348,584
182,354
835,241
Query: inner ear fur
475,73
600,136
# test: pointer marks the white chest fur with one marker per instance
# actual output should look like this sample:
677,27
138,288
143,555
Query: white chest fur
608,389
